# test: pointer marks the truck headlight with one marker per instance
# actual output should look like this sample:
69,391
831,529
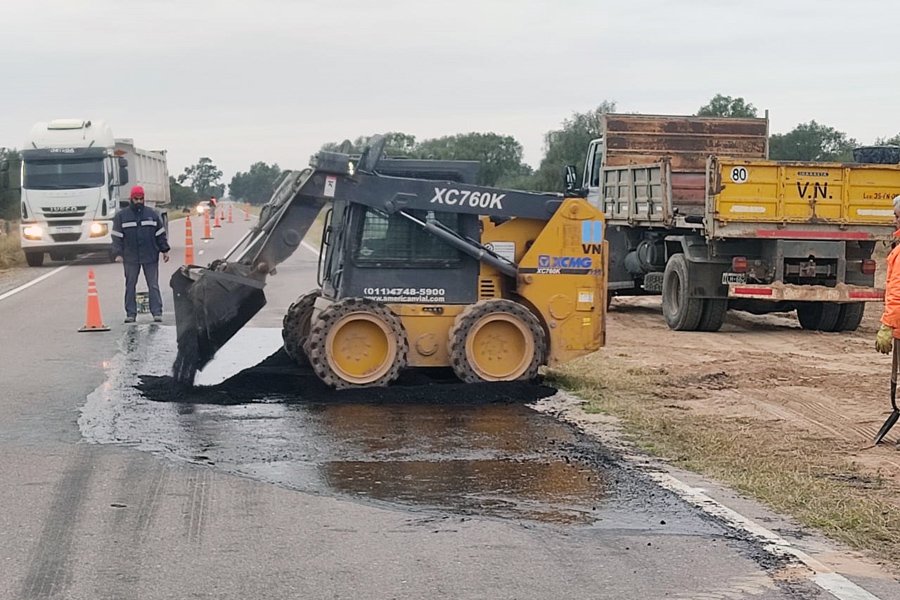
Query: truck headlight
99,229
32,232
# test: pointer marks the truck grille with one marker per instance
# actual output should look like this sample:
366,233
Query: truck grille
65,237
64,222
51,212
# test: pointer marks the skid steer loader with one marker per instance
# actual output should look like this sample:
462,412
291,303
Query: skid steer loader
419,267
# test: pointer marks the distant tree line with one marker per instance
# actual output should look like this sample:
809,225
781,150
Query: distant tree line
500,155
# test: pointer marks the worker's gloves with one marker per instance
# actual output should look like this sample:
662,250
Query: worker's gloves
885,339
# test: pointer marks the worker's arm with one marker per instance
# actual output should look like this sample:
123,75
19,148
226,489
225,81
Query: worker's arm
891,315
118,237
890,318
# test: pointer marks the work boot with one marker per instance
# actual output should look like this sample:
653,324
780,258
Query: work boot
129,319
157,318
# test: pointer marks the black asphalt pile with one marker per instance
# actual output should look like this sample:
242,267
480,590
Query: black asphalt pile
278,379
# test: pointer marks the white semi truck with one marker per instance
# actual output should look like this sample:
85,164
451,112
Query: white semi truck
75,176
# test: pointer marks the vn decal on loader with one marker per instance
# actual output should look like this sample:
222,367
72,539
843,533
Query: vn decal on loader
455,197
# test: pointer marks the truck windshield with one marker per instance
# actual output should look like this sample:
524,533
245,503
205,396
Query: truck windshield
63,174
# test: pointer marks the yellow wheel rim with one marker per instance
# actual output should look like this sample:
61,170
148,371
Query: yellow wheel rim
499,347
360,348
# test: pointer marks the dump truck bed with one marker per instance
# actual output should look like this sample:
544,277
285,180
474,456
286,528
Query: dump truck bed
797,200
684,143
759,198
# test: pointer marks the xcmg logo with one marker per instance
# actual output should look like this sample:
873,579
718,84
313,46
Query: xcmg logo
556,264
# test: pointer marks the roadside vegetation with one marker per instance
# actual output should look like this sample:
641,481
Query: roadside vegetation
808,478
11,254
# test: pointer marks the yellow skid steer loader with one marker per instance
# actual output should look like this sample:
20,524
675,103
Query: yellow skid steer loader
419,267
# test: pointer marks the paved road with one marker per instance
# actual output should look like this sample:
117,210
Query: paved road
332,504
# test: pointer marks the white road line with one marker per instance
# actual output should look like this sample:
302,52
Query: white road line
15,291
834,583
310,247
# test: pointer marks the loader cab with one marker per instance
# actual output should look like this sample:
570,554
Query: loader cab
387,257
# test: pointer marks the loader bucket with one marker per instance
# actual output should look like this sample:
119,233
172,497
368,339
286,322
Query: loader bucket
211,305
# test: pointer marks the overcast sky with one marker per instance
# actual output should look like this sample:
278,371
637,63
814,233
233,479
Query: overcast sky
272,80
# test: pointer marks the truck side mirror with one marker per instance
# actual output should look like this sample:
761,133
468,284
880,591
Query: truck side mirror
123,170
572,188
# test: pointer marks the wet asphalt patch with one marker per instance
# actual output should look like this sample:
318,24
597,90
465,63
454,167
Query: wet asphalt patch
428,442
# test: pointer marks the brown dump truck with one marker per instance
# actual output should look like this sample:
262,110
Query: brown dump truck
696,212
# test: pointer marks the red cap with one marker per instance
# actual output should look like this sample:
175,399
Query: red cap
136,191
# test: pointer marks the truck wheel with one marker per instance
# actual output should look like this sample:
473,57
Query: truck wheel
851,316
496,340
296,326
357,342
714,311
682,313
34,259
819,316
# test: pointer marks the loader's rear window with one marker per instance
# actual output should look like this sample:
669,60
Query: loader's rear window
397,240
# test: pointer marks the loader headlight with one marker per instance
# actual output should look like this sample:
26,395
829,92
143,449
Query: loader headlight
32,232
351,168
99,229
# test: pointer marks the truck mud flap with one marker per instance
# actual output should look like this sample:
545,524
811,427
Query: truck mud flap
210,307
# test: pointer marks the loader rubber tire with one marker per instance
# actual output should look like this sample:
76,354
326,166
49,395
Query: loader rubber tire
819,316
851,316
357,342
34,259
496,340
713,317
296,326
681,312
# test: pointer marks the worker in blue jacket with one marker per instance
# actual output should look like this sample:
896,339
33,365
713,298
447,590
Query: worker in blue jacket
139,237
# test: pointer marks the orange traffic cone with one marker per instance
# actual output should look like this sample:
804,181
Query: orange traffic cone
188,242
207,234
246,214
229,214
217,223
93,322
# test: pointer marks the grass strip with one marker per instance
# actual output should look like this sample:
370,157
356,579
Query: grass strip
792,472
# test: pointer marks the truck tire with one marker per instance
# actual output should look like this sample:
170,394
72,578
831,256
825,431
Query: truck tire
819,316
713,317
296,326
850,316
496,340
357,342
682,313
34,259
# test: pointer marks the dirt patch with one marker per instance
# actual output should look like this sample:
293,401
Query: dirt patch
780,413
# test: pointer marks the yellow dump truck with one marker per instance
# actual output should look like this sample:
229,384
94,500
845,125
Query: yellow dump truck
697,213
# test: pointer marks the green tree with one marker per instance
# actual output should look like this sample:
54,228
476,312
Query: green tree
204,178
811,141
568,145
10,163
891,141
500,155
182,196
256,185
397,144
726,106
